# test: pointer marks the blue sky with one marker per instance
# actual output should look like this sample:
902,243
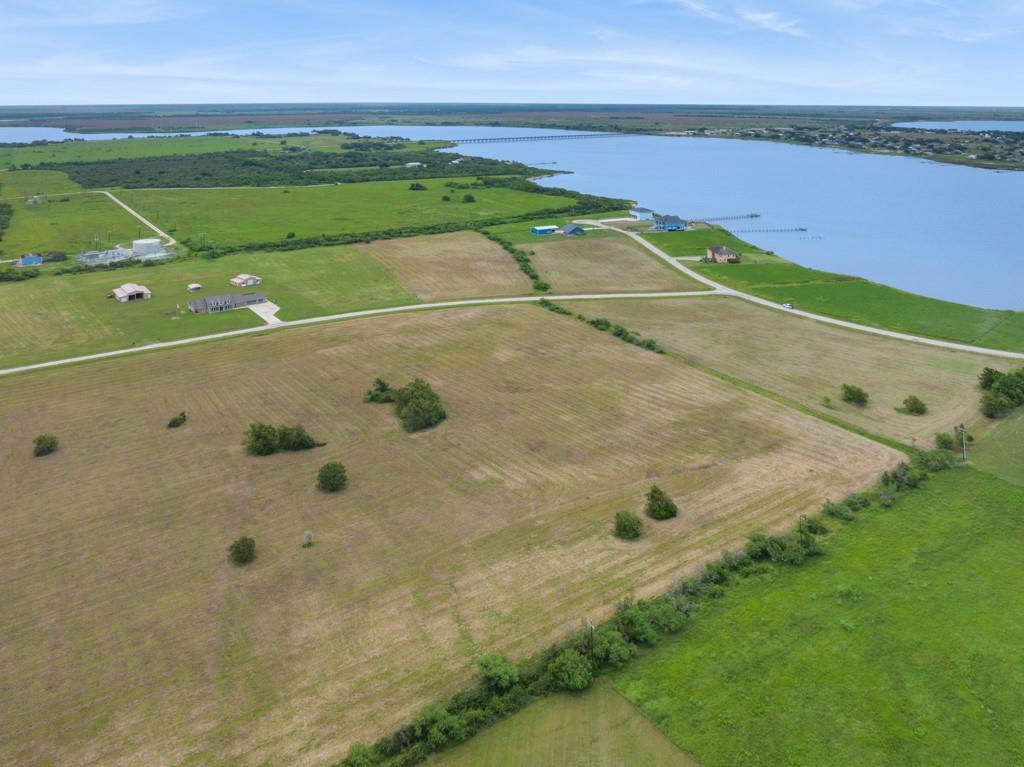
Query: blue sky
650,51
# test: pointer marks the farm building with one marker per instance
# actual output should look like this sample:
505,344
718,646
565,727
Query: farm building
30,259
572,230
130,291
225,303
642,214
246,280
669,223
543,229
722,255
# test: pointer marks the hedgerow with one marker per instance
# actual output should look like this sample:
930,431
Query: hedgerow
607,326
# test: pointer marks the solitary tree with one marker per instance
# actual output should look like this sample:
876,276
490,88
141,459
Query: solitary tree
44,444
914,405
628,526
659,505
178,420
468,198
854,395
332,477
419,407
242,551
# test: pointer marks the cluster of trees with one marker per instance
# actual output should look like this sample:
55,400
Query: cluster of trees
417,404
357,162
17,275
607,326
264,439
1001,392
522,258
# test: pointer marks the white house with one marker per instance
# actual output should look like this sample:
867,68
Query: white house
131,292
246,280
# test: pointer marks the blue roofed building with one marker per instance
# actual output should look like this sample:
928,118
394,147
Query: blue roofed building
543,229
30,259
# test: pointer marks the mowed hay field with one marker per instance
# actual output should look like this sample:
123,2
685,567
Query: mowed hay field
241,215
130,639
604,264
69,226
806,361
17,184
451,266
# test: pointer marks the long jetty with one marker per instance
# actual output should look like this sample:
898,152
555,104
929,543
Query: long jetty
506,139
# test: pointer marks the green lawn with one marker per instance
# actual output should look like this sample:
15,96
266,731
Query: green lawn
697,242
1001,450
71,226
519,232
240,215
23,183
52,317
598,729
900,646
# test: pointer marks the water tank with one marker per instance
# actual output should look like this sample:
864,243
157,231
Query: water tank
147,247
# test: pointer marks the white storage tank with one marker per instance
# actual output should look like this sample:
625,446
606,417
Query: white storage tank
150,246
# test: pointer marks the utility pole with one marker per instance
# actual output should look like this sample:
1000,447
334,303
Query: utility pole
962,431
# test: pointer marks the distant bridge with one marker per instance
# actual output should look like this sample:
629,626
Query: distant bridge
506,139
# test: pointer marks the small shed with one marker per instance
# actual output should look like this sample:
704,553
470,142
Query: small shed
722,255
543,229
246,280
572,230
131,291
642,214
194,287
30,259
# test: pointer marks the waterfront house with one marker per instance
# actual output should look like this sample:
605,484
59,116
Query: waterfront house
722,255
669,223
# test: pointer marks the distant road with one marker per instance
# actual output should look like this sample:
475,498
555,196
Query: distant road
146,221
720,289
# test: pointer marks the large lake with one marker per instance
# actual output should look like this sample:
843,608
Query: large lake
947,231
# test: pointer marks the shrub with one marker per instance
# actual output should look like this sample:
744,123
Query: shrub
914,405
541,286
439,727
178,420
945,441
837,511
570,670
498,672
360,755
854,395
659,505
628,526
416,186
242,551
419,407
988,377
264,439
611,648
332,477
381,392
995,405
468,198
44,444
294,438
290,236
634,623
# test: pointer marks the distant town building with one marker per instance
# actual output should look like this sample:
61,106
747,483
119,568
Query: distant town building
543,229
194,287
669,223
225,303
572,230
642,214
246,280
30,259
130,291
722,255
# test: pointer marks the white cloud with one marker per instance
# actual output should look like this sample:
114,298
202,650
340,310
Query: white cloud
773,21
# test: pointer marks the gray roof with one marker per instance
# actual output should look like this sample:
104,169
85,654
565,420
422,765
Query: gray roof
642,210
670,219
225,301
721,250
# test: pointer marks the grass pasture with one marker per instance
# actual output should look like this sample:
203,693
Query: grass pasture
806,361
129,638
598,729
236,216
900,646
16,184
69,224
450,266
1000,450
696,242
604,264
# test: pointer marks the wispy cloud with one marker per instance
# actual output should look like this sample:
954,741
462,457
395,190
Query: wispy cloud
771,20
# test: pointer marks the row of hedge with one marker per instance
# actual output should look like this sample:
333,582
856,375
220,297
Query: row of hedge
522,258
606,326
504,688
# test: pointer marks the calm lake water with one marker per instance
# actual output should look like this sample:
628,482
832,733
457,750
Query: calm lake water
946,231
972,126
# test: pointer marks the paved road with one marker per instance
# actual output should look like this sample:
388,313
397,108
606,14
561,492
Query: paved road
347,316
724,290
170,240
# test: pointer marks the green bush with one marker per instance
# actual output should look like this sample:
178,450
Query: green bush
634,623
332,477
628,526
381,392
468,198
264,439
914,405
854,395
659,505
360,755
570,670
945,441
611,648
242,551
498,672
178,420
44,444
419,407
439,727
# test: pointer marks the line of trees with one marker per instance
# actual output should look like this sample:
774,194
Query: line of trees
607,326
522,258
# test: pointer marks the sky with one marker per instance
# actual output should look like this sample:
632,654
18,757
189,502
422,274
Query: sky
882,52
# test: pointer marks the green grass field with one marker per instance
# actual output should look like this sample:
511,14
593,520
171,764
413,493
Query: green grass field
598,729
900,646
71,226
1001,450
53,317
15,184
697,242
240,215
519,233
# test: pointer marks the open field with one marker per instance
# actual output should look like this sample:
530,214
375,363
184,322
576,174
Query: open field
53,317
597,729
24,183
900,646
518,233
240,215
448,266
1000,451
806,361
70,226
594,264
490,532
869,303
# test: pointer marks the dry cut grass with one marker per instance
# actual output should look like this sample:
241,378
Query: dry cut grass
129,638
807,361
588,264
451,266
